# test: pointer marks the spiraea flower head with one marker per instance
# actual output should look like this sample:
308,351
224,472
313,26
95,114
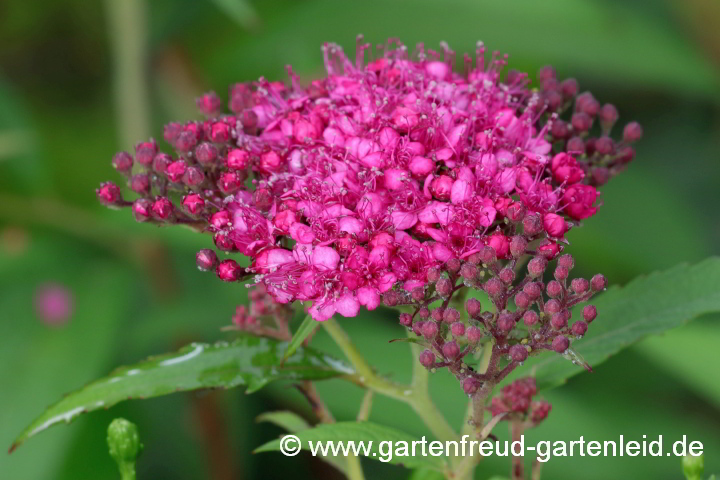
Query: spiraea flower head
397,180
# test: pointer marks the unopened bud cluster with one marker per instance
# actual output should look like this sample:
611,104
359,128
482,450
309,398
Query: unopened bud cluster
516,401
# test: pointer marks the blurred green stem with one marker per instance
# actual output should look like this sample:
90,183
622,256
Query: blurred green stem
127,27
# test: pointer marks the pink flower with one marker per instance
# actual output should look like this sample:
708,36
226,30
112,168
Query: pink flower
378,175
579,200
554,225
566,169
53,304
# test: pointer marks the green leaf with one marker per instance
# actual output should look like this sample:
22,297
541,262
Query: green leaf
616,44
285,419
39,362
366,432
306,328
680,352
240,11
425,474
646,306
292,422
249,360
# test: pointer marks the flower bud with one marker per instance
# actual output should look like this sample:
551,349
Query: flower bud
418,294
559,320
532,225
540,411
522,300
405,319
566,261
516,212
530,318
193,204
437,314
457,329
605,146
518,245
560,344
176,170
552,306
608,115
444,287
581,122
589,313
223,242
579,285
468,271
141,209
518,353
109,194
494,287
417,328
693,467
209,104
124,442
536,266
507,275
193,177
473,307
423,313
206,153
453,265
575,146
569,87
427,358
123,162
470,385
533,290
561,273
599,176
161,162
238,159
140,184
433,274
505,322
451,315
598,282
206,259
451,350
391,298
579,328
474,334
145,152
429,330
229,182
554,289
162,208
559,129
632,132
220,219
555,225
228,270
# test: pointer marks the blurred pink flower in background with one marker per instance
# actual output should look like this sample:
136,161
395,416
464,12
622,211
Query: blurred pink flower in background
53,304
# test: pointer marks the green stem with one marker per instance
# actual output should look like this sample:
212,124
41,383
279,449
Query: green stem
127,26
422,403
127,470
354,468
416,395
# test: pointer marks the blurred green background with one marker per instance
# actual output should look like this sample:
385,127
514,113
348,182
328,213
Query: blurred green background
80,80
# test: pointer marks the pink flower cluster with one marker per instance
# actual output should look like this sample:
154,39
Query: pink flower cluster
363,182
